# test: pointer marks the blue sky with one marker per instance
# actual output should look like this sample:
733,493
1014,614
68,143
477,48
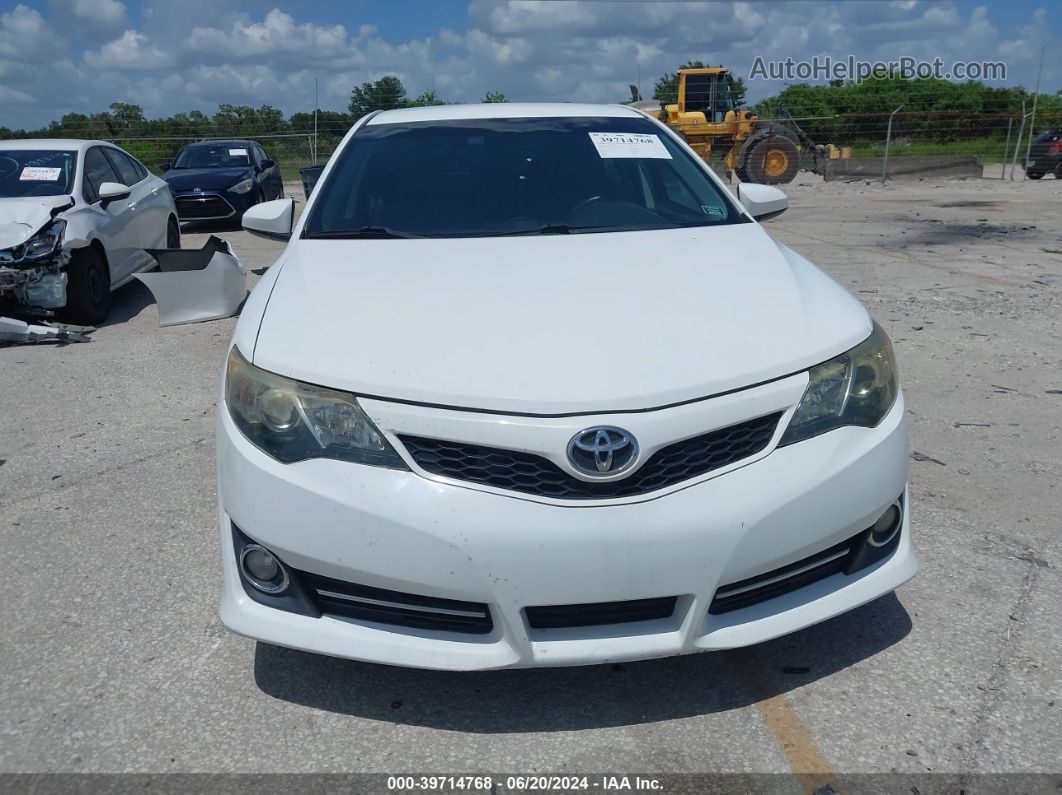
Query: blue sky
58,56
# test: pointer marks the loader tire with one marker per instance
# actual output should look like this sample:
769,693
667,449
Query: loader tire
88,291
770,161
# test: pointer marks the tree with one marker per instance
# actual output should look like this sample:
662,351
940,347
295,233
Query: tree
428,97
737,92
383,94
666,87
127,115
494,96
325,118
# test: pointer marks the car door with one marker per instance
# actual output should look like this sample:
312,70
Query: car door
275,187
115,221
149,203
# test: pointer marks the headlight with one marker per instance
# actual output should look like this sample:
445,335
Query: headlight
292,421
41,246
857,388
242,187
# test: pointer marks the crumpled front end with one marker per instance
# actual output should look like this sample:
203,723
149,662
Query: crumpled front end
32,270
40,285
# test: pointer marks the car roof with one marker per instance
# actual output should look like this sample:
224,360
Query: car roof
52,144
502,110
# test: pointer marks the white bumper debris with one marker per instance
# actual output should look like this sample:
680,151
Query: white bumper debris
17,331
191,286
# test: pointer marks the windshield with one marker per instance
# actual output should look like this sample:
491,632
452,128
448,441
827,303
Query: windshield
213,156
36,172
476,177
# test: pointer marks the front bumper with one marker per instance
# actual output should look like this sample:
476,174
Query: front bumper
405,532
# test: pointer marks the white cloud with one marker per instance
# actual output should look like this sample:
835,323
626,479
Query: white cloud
198,53
10,95
277,34
26,37
130,51
105,13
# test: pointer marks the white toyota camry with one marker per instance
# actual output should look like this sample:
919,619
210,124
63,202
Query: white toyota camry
529,386
75,218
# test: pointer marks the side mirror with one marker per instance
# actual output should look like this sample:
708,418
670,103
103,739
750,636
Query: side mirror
165,166
762,201
267,163
271,219
112,191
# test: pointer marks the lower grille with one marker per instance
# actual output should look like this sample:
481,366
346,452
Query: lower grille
848,557
780,581
339,598
534,474
600,613
202,208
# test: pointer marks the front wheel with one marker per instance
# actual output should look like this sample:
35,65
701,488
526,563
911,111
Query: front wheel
88,291
770,161
1034,174
173,234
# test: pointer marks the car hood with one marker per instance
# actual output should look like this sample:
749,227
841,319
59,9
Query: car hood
21,218
207,178
553,324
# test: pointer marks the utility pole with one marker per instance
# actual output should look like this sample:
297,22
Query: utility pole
1017,144
888,140
315,121
1032,122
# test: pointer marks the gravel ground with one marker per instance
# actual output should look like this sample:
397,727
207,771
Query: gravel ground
112,657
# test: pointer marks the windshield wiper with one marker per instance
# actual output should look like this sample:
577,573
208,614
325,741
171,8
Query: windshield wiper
381,232
565,229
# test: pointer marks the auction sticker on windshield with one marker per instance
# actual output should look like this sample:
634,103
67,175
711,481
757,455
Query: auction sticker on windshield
237,153
629,145
40,174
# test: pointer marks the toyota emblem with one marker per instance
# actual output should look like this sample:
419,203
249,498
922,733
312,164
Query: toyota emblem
603,450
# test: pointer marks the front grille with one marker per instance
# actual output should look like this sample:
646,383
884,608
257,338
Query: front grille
347,600
207,206
533,474
600,613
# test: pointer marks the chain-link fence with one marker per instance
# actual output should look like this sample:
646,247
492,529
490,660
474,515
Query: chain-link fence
291,150
984,136
993,139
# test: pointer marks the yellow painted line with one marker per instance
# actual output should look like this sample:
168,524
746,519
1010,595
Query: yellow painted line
805,758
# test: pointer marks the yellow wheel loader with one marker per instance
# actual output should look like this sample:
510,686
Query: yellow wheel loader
756,150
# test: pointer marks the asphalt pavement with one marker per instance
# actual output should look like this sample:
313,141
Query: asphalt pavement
112,657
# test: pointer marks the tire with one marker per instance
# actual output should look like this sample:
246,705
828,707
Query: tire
88,291
774,160
1058,170
173,234
1034,174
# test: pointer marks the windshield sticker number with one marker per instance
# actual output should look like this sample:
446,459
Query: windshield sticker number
237,153
629,145
40,174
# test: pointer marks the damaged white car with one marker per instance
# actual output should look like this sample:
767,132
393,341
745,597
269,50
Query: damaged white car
75,220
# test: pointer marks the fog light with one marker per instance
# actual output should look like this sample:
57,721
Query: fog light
263,570
886,528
